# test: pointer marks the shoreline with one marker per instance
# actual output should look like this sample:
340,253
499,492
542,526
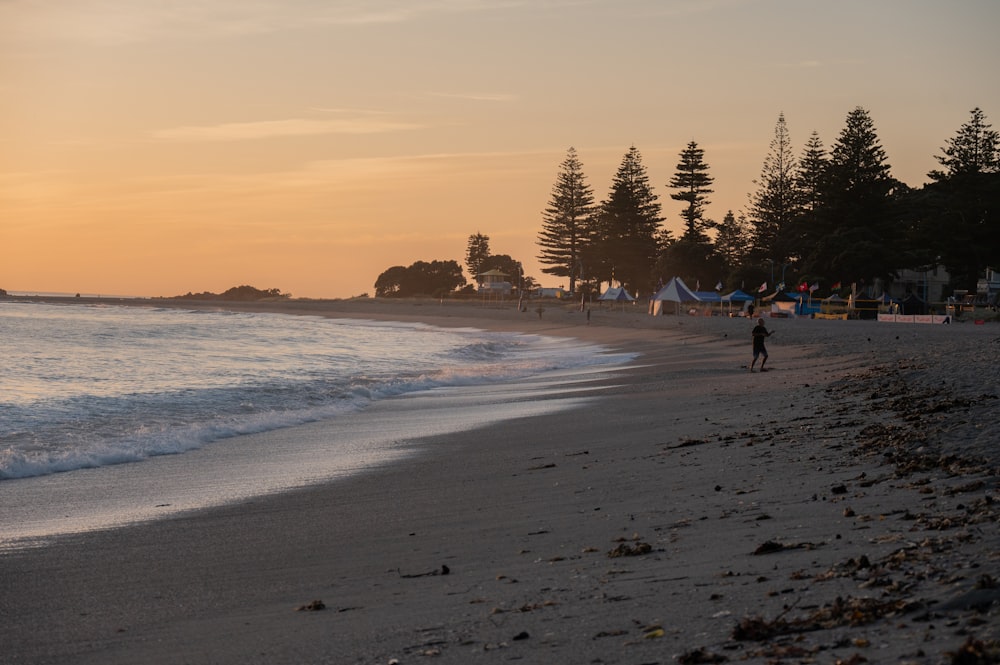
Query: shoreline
762,499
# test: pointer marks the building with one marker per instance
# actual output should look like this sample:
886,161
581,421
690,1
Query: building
494,283
928,285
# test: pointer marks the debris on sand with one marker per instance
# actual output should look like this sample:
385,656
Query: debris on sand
624,549
771,546
699,656
314,606
975,652
444,570
842,612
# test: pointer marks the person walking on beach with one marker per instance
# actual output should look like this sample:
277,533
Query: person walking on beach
759,333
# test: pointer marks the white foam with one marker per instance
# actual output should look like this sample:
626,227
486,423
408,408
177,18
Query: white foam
34,510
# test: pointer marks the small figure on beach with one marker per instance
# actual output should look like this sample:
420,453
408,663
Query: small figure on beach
750,310
759,333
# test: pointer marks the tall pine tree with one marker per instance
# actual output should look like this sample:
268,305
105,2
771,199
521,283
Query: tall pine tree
693,255
975,148
850,236
567,223
957,214
810,173
629,223
476,252
693,185
775,204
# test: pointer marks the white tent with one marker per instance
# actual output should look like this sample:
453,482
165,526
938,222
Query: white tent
616,293
673,291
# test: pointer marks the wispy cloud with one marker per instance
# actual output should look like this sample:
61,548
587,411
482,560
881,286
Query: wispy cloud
477,96
265,129
126,21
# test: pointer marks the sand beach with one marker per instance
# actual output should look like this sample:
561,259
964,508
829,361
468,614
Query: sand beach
840,508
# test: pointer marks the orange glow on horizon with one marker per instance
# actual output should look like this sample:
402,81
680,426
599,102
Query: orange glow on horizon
153,150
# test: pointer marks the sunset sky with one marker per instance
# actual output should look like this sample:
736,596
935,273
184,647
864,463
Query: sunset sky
154,148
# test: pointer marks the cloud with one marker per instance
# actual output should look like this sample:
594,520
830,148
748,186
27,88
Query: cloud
265,129
129,21
478,96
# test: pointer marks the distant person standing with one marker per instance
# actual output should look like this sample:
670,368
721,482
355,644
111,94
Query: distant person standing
759,334
750,310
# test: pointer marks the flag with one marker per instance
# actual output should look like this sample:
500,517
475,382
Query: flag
763,287
781,287
718,286
803,287
697,285
836,285
814,287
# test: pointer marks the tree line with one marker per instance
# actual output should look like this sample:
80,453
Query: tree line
823,217
439,278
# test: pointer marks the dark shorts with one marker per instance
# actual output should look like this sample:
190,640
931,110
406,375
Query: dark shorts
759,350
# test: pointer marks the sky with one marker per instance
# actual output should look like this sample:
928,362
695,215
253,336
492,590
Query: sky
153,148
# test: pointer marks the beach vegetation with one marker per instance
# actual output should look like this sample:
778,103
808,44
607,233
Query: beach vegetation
824,221
239,293
422,278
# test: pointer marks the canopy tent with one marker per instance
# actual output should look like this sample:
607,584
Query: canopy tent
616,293
673,291
708,296
782,296
738,296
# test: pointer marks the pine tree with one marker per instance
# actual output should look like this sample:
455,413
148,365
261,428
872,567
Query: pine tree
693,184
776,203
956,214
477,251
851,234
567,224
628,227
732,242
810,174
693,256
974,149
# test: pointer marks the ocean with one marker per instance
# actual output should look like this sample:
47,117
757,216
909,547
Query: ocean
115,414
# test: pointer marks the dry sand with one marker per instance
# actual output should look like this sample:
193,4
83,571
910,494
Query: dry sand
841,508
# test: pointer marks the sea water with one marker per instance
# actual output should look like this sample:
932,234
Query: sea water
113,414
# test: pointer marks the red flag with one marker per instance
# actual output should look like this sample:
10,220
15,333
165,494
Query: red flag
763,287
836,285
803,287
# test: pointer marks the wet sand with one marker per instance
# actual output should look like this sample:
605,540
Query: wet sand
840,508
